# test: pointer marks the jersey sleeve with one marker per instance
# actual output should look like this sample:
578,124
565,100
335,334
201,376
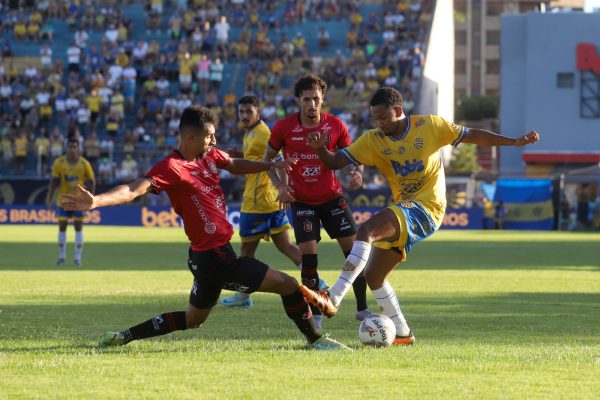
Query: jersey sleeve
276,139
222,159
344,140
360,152
88,172
448,132
163,176
56,170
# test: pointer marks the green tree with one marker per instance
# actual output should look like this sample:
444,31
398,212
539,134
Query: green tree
476,108
464,159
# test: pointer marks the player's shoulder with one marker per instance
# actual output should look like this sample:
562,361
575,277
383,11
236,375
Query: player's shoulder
262,128
289,121
332,119
60,160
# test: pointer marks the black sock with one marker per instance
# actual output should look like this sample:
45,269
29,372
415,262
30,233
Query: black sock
360,290
310,275
298,311
157,326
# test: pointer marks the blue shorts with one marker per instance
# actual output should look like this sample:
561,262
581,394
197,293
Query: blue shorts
261,226
64,215
415,225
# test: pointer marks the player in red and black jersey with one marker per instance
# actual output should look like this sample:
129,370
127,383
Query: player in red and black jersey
314,192
190,176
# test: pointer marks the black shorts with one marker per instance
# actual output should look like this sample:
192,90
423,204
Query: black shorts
335,215
220,268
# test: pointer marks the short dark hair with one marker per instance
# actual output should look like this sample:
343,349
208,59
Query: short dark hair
196,117
252,100
309,82
72,139
387,96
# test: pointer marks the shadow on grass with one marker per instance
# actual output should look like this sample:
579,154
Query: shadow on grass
433,255
515,318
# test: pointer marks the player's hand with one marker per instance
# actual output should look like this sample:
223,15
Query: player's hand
78,202
285,164
234,152
316,140
356,179
285,195
530,138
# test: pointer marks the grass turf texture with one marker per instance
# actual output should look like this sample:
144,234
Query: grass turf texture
497,315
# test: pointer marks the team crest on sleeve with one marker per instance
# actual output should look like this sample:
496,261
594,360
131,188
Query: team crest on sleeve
418,143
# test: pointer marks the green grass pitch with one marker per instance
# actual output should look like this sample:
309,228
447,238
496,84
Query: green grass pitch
497,315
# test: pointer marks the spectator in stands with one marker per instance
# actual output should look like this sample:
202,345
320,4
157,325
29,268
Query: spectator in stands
73,58
216,74
21,152
91,149
46,57
7,146
105,170
42,151
323,37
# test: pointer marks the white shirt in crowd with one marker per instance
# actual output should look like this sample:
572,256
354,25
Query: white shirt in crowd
73,55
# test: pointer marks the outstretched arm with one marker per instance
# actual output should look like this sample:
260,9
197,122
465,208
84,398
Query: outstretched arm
117,195
331,160
285,193
243,166
487,138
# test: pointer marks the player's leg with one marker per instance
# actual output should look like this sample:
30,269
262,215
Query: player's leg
381,263
297,309
203,297
159,325
307,229
253,227
63,221
382,226
359,286
78,224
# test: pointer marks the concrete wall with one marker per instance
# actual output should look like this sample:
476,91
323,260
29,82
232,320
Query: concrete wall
437,88
534,49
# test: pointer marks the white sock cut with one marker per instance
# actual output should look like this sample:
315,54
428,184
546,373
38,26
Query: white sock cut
78,244
354,265
387,299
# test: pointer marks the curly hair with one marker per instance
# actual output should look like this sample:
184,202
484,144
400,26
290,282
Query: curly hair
195,117
309,82
387,96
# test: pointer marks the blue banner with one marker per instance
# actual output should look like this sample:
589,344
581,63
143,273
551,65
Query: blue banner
528,203
165,217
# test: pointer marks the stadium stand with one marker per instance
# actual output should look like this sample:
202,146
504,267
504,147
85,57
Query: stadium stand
117,74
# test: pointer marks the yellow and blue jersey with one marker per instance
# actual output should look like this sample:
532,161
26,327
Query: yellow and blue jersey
411,162
260,196
70,175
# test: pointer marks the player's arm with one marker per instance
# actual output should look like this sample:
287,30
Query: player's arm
115,196
331,160
243,166
54,182
486,138
279,179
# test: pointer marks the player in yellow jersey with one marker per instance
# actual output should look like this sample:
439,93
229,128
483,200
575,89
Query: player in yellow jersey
261,214
406,151
67,172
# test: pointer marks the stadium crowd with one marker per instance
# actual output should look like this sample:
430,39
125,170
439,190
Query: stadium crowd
119,87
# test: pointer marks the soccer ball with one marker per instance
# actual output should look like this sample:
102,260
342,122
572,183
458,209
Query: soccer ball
377,330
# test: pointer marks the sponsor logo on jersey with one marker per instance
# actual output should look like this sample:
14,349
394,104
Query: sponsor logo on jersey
297,128
387,152
212,167
418,143
401,149
310,170
297,138
408,167
420,122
